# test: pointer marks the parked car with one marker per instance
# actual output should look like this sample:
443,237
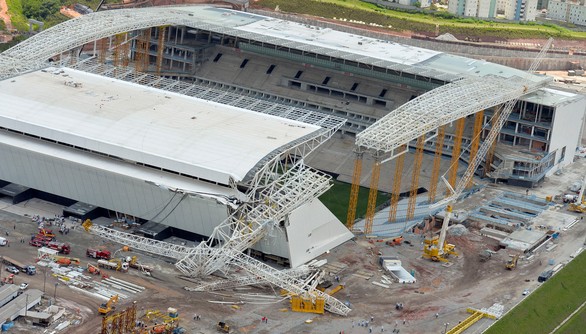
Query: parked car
12,269
525,292
23,286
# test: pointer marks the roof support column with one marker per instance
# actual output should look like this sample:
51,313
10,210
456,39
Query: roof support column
456,152
372,195
478,120
353,202
397,184
437,159
415,178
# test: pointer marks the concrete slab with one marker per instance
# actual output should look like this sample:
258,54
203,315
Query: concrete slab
523,239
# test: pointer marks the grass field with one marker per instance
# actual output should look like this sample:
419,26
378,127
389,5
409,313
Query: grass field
548,306
336,199
577,324
418,22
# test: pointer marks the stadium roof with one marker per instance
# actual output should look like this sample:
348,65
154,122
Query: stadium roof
35,51
143,124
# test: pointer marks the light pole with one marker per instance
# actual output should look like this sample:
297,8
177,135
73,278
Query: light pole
44,279
446,327
55,292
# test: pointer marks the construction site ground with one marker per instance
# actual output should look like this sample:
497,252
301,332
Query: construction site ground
443,290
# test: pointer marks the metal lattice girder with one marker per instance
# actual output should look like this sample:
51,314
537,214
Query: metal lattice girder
235,282
141,243
250,223
287,282
34,52
442,106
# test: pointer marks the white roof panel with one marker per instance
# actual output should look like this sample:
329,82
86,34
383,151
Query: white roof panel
319,40
208,140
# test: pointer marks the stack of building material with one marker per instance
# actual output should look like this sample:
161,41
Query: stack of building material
123,285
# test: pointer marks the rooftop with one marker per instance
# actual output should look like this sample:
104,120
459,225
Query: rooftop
552,97
338,44
142,124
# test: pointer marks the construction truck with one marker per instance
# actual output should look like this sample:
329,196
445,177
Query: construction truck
61,247
108,306
133,263
223,327
98,253
512,263
115,264
47,233
28,269
579,204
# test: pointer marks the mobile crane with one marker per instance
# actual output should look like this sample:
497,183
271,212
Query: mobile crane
438,249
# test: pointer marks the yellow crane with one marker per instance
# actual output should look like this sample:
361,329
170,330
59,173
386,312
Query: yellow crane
438,249
108,306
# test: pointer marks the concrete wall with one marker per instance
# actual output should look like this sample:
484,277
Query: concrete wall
564,132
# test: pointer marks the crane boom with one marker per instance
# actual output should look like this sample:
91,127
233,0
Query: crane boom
502,117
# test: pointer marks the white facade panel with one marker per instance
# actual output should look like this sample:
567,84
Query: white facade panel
312,231
565,133
111,184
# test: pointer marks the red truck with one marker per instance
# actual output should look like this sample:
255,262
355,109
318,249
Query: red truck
98,253
36,242
60,246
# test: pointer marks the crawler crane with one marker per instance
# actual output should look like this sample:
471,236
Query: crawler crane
439,250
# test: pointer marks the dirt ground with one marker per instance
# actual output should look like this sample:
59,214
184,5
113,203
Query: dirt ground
4,15
446,291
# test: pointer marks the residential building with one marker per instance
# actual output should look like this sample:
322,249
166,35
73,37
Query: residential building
567,11
517,10
473,8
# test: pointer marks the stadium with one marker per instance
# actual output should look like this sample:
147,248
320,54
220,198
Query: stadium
187,117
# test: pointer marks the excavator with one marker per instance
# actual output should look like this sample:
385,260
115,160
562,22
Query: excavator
512,263
107,307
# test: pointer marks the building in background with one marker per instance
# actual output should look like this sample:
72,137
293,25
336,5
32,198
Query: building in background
473,8
514,10
567,11
517,10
